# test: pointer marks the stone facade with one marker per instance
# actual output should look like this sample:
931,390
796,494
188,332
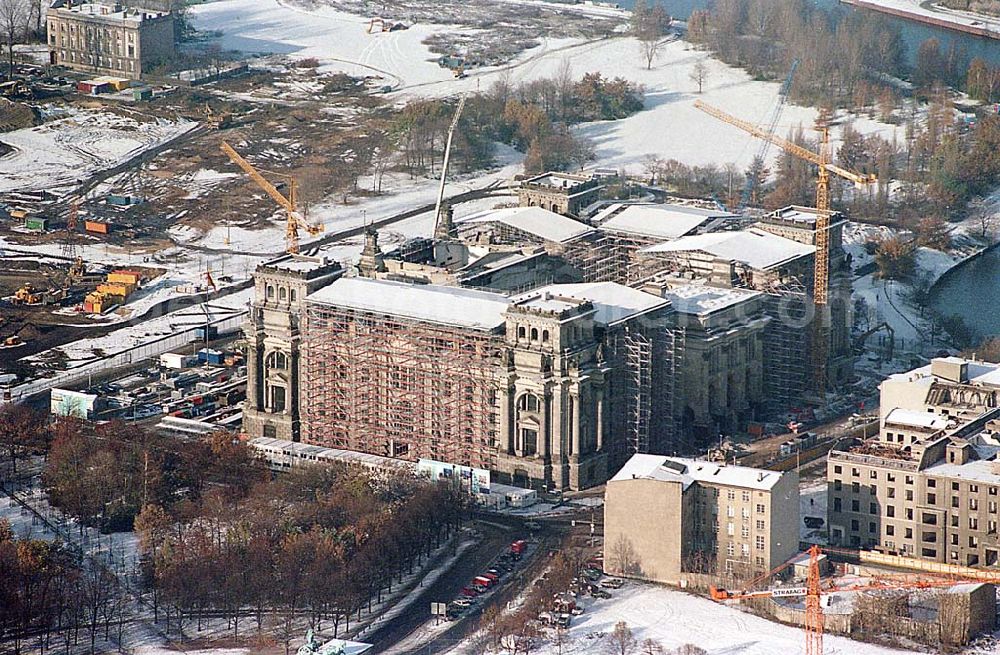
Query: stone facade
274,342
667,516
108,39
562,193
928,486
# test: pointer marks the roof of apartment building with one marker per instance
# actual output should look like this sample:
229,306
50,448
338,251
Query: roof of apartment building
657,221
754,247
914,419
109,11
977,372
542,223
614,302
430,303
984,469
701,299
688,471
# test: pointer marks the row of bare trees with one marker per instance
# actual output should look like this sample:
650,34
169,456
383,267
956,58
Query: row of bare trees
319,544
49,601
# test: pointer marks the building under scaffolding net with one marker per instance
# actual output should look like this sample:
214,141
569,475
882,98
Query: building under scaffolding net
390,374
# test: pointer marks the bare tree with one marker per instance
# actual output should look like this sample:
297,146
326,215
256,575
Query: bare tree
652,647
13,16
699,74
649,26
690,649
621,641
623,556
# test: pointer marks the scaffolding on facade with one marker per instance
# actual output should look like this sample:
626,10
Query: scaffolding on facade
788,344
402,388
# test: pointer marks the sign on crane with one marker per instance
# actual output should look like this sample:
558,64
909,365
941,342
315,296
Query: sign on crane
294,221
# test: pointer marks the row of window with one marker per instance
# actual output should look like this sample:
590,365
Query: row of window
284,293
103,62
891,477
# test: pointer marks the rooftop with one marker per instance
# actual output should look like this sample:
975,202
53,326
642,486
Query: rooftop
915,419
978,470
542,223
614,302
656,221
979,372
558,180
687,471
700,299
300,263
113,12
453,306
805,217
754,247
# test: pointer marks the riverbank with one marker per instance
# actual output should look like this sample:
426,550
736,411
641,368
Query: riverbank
931,14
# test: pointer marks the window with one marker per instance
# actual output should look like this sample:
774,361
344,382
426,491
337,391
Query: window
909,494
890,510
892,492
929,519
909,513
890,530
746,513
529,441
932,483
855,506
974,488
973,541
837,485
746,496
873,474
838,469
973,523
855,488
277,398
931,499
908,533
837,505
954,539
730,549
545,336
760,508
730,529
528,403
954,501
954,486
854,525
277,360
745,549
871,527
270,292
760,524
520,331
891,477
745,531
730,511
534,334
855,472
909,479
731,495
291,295
992,507
759,542
872,508
928,552
974,504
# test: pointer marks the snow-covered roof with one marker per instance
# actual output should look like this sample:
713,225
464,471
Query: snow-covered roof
542,223
979,372
298,263
614,302
656,221
754,247
700,299
687,471
915,419
430,303
978,470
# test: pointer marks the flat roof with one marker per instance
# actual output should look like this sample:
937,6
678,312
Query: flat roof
109,11
755,247
545,224
915,419
659,221
298,263
614,302
686,471
701,300
431,303
977,470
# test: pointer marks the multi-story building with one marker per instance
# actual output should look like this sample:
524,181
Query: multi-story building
108,39
274,342
667,516
929,485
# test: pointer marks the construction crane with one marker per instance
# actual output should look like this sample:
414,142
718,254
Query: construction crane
814,589
821,274
765,144
295,220
442,228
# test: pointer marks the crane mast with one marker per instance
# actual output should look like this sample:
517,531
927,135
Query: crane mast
441,228
821,271
289,203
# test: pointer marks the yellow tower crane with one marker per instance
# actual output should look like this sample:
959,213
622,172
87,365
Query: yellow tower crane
821,275
295,220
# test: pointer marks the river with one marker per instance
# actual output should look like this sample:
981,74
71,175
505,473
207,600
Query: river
913,33
972,291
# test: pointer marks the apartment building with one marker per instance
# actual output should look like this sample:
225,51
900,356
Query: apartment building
928,486
108,39
667,516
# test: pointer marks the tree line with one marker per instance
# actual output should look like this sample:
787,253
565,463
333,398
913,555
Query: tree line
319,544
533,117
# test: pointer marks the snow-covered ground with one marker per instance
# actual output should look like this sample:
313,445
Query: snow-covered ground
673,618
61,152
670,127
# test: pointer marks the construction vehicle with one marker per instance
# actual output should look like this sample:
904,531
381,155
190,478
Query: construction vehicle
219,121
377,25
821,274
12,341
442,224
294,221
814,589
27,295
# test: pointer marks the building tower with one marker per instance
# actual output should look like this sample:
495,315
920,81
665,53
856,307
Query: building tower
274,342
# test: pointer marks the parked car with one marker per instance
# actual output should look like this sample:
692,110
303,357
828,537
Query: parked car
597,592
612,583
469,592
464,601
